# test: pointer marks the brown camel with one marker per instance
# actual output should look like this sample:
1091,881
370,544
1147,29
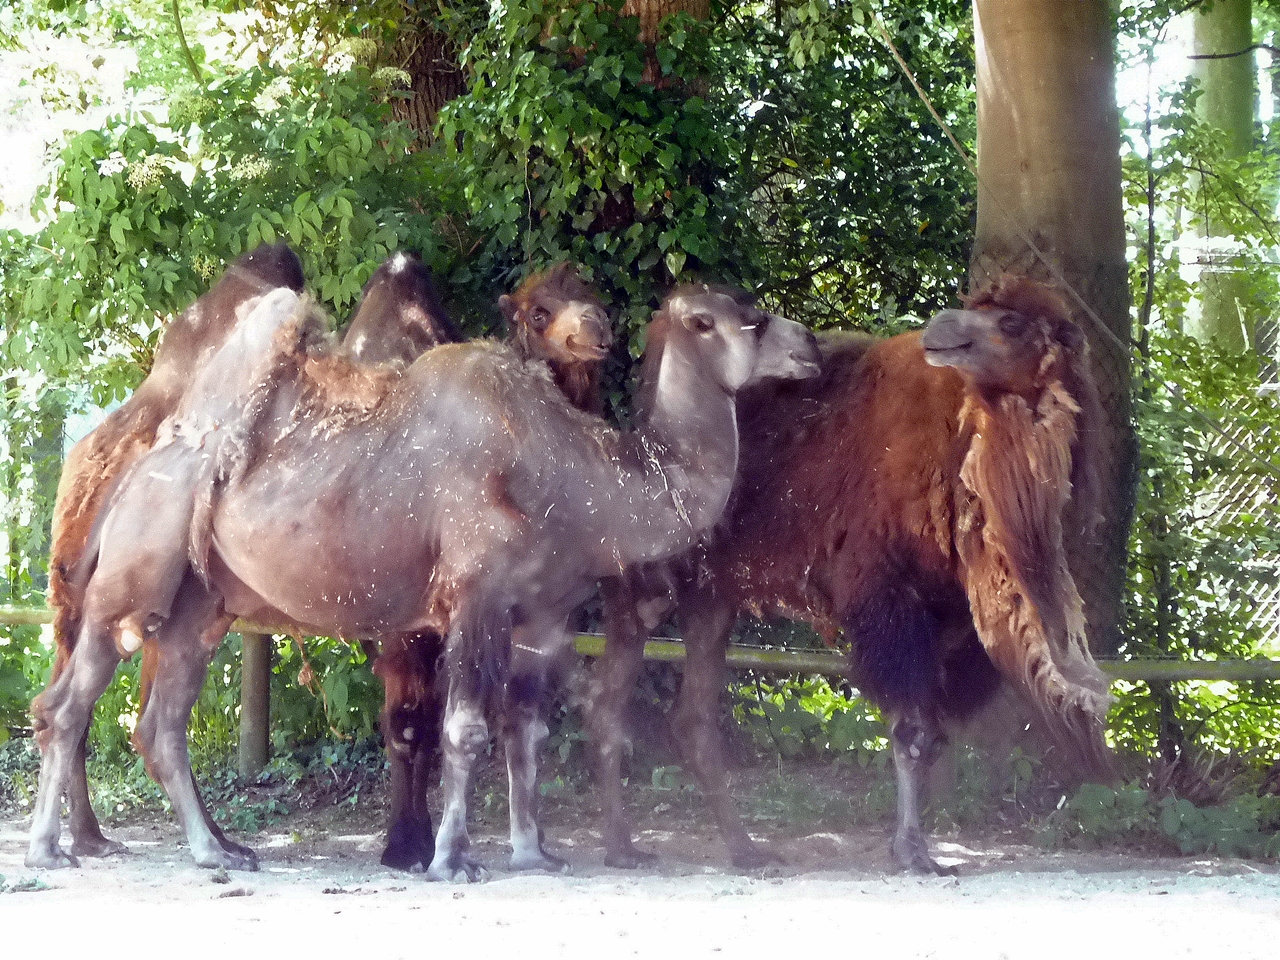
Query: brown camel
911,499
399,317
553,317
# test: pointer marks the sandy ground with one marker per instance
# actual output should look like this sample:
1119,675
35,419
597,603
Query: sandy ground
320,890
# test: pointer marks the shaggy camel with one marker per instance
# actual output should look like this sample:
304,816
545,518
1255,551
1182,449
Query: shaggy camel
470,467
399,317
911,498
96,461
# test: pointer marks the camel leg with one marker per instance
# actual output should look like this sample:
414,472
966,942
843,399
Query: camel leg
86,834
523,733
615,678
465,735
183,647
426,773
411,731
708,624
62,713
87,838
917,742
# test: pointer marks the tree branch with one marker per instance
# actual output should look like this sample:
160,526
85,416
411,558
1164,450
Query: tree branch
1274,51
186,50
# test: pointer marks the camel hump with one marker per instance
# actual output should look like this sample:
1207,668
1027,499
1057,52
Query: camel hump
274,265
400,316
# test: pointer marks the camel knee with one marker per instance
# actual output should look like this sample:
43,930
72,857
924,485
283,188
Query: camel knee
917,740
407,729
466,732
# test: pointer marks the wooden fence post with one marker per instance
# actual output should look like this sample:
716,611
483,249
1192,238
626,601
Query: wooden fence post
255,704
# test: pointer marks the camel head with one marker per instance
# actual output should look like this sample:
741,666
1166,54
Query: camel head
555,316
737,344
1006,342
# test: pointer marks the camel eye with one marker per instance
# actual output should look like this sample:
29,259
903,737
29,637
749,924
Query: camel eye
702,322
1013,324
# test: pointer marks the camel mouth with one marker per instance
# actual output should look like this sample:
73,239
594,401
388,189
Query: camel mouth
586,350
940,356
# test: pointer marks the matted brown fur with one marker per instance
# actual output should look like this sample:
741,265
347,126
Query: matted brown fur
303,342
93,464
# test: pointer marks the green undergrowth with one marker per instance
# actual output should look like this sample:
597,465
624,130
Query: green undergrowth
1096,816
804,756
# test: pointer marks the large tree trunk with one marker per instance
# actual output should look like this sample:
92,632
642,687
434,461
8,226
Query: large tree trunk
1049,172
650,14
1223,35
430,58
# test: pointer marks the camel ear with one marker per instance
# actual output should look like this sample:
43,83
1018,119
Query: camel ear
509,307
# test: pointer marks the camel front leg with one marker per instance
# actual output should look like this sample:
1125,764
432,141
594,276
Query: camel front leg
411,730
708,623
917,742
465,734
614,679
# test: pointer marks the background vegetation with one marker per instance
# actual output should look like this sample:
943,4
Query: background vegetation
780,147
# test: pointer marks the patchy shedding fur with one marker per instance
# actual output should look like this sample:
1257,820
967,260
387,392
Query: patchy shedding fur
293,345
93,464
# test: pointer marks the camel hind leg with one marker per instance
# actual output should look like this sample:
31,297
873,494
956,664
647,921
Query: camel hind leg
183,648
86,833
62,714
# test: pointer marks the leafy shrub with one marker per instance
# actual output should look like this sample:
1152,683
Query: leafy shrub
1094,815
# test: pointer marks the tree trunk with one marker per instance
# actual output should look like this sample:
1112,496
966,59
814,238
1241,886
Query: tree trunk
1227,313
1049,173
650,14
430,58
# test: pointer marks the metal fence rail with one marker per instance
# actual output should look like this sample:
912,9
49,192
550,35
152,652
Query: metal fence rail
829,662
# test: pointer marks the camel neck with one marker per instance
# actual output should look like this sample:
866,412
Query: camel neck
690,434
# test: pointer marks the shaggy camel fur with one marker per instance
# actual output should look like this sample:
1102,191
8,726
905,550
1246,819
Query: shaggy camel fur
910,500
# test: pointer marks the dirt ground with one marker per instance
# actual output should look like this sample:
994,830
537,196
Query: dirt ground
321,888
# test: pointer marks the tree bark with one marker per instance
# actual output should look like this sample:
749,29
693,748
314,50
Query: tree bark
430,58
1049,175
1227,99
651,12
